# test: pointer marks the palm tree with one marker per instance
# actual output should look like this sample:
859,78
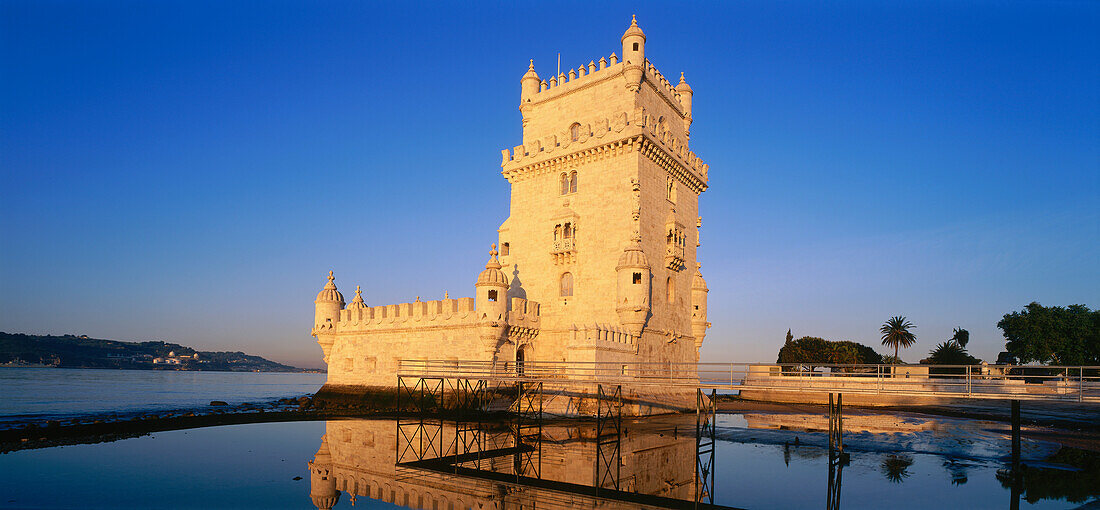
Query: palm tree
895,332
896,467
961,337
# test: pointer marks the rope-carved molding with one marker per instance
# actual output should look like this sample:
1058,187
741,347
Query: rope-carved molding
661,146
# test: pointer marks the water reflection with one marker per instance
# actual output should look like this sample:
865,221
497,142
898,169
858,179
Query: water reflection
956,469
896,467
648,464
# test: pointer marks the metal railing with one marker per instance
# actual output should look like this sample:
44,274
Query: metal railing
1013,382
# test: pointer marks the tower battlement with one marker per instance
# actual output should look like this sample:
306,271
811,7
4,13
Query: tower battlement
601,135
606,69
597,259
523,313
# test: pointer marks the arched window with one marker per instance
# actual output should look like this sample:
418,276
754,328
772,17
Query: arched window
564,183
671,284
557,232
670,189
492,295
504,249
573,182
567,233
574,131
566,287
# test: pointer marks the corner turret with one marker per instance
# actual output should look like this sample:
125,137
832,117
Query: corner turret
490,301
699,322
322,481
685,92
633,55
326,314
529,84
632,288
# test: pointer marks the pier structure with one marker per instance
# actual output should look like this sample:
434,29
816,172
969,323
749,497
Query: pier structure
571,384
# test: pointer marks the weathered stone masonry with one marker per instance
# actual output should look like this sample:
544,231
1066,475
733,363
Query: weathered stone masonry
597,259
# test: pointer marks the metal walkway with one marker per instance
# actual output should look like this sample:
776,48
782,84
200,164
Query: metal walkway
1002,382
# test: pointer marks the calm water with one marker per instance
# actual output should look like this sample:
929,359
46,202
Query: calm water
39,393
254,466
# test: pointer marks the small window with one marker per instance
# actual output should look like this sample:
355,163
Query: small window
635,46
566,287
564,183
504,249
670,189
696,307
671,289
567,233
492,295
573,182
637,278
557,232
575,132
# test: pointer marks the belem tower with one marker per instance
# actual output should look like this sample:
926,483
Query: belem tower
597,259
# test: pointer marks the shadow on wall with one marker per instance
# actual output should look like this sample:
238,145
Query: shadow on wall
515,289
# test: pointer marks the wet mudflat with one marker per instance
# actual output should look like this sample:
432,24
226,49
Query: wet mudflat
762,460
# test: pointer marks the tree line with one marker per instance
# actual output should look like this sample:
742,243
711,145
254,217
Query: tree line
1053,335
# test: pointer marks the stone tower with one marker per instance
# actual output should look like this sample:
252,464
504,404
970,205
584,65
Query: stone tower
326,313
597,258
603,227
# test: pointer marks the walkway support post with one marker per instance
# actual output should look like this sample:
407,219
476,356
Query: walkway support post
1015,435
836,427
705,420
609,422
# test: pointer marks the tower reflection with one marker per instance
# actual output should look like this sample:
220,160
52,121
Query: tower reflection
457,465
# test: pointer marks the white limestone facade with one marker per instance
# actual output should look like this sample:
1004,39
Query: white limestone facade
597,259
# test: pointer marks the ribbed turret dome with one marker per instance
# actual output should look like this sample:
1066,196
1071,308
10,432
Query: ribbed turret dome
530,72
357,301
492,275
329,293
697,282
683,86
325,502
633,30
633,256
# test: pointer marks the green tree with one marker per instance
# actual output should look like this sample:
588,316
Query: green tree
818,351
961,337
1057,335
895,333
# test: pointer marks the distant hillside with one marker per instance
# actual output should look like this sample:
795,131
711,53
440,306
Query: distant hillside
71,351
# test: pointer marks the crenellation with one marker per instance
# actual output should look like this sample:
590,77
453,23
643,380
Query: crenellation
601,337
643,121
602,176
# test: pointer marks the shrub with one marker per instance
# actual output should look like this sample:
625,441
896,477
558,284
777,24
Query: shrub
818,351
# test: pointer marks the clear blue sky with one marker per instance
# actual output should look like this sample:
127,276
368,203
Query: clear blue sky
190,171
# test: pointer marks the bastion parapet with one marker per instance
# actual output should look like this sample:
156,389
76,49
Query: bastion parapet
595,262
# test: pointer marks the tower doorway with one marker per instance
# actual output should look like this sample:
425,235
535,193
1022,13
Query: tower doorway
519,361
